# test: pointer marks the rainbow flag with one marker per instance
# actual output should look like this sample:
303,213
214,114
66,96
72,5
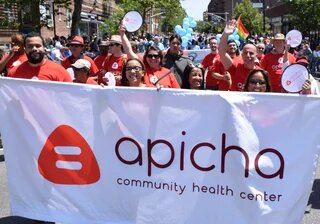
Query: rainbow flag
242,31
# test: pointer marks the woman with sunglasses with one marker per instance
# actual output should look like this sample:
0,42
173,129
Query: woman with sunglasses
155,74
193,77
257,81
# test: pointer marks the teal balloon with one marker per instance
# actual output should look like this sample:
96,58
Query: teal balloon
184,39
219,35
189,30
189,36
237,42
231,37
182,32
177,28
193,24
191,19
236,37
184,44
186,20
186,25
218,39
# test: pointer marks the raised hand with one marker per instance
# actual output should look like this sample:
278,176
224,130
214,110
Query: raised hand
230,26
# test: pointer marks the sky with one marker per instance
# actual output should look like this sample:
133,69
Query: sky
195,8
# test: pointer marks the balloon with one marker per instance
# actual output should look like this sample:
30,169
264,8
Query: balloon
177,28
184,39
231,37
182,32
186,25
236,37
235,31
219,35
218,39
189,36
237,42
184,44
186,20
189,30
193,24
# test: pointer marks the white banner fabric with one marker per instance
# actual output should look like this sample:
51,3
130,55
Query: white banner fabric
84,154
197,56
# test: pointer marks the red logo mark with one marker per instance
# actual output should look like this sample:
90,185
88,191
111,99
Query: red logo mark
66,136
288,82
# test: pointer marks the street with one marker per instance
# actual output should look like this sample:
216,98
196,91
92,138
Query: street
312,214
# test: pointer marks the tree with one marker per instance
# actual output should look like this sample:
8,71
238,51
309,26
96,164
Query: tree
76,17
305,14
171,12
250,16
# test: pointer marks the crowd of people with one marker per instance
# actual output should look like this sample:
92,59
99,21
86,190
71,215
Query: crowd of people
256,66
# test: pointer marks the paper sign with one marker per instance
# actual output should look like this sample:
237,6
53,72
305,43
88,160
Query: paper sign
294,38
132,21
294,77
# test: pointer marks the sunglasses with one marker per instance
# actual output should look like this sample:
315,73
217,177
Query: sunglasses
198,65
135,68
255,82
156,56
115,44
260,48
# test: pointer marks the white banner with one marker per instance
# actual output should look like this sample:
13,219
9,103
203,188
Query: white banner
82,154
197,56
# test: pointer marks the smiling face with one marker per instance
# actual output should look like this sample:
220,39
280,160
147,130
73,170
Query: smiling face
153,59
175,46
257,83
134,73
249,54
195,78
34,50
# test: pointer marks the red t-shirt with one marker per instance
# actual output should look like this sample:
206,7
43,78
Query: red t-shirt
47,71
212,62
273,64
15,61
152,75
239,74
99,61
66,63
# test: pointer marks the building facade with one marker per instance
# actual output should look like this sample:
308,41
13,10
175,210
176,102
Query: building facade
56,19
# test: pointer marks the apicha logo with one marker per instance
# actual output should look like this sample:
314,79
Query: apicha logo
65,136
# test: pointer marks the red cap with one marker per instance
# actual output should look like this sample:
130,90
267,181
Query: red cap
77,40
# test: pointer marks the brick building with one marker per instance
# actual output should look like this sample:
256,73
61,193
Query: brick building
56,20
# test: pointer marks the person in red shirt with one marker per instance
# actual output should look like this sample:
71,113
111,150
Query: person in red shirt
76,46
233,51
16,56
273,61
238,71
81,70
260,51
133,73
104,51
115,61
216,76
37,66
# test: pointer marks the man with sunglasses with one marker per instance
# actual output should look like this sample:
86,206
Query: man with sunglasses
76,46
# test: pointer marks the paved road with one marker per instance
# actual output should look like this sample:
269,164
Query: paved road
312,214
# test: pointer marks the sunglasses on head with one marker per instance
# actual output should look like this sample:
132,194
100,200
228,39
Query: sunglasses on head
156,56
198,65
255,82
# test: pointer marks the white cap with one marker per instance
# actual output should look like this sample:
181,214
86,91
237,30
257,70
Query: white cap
82,63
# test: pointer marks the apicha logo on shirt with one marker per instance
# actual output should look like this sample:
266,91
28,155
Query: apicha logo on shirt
115,65
57,167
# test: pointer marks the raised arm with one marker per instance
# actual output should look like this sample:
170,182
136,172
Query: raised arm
224,56
126,43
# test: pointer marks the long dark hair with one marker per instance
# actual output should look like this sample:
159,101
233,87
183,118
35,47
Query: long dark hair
186,75
124,80
265,75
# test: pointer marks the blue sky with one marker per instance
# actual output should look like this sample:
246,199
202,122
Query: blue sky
195,8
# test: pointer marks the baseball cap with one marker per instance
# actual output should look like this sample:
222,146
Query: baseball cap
77,40
81,63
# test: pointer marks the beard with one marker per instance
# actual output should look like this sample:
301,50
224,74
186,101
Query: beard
35,57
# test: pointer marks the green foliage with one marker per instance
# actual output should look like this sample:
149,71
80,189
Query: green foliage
170,12
250,16
305,14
